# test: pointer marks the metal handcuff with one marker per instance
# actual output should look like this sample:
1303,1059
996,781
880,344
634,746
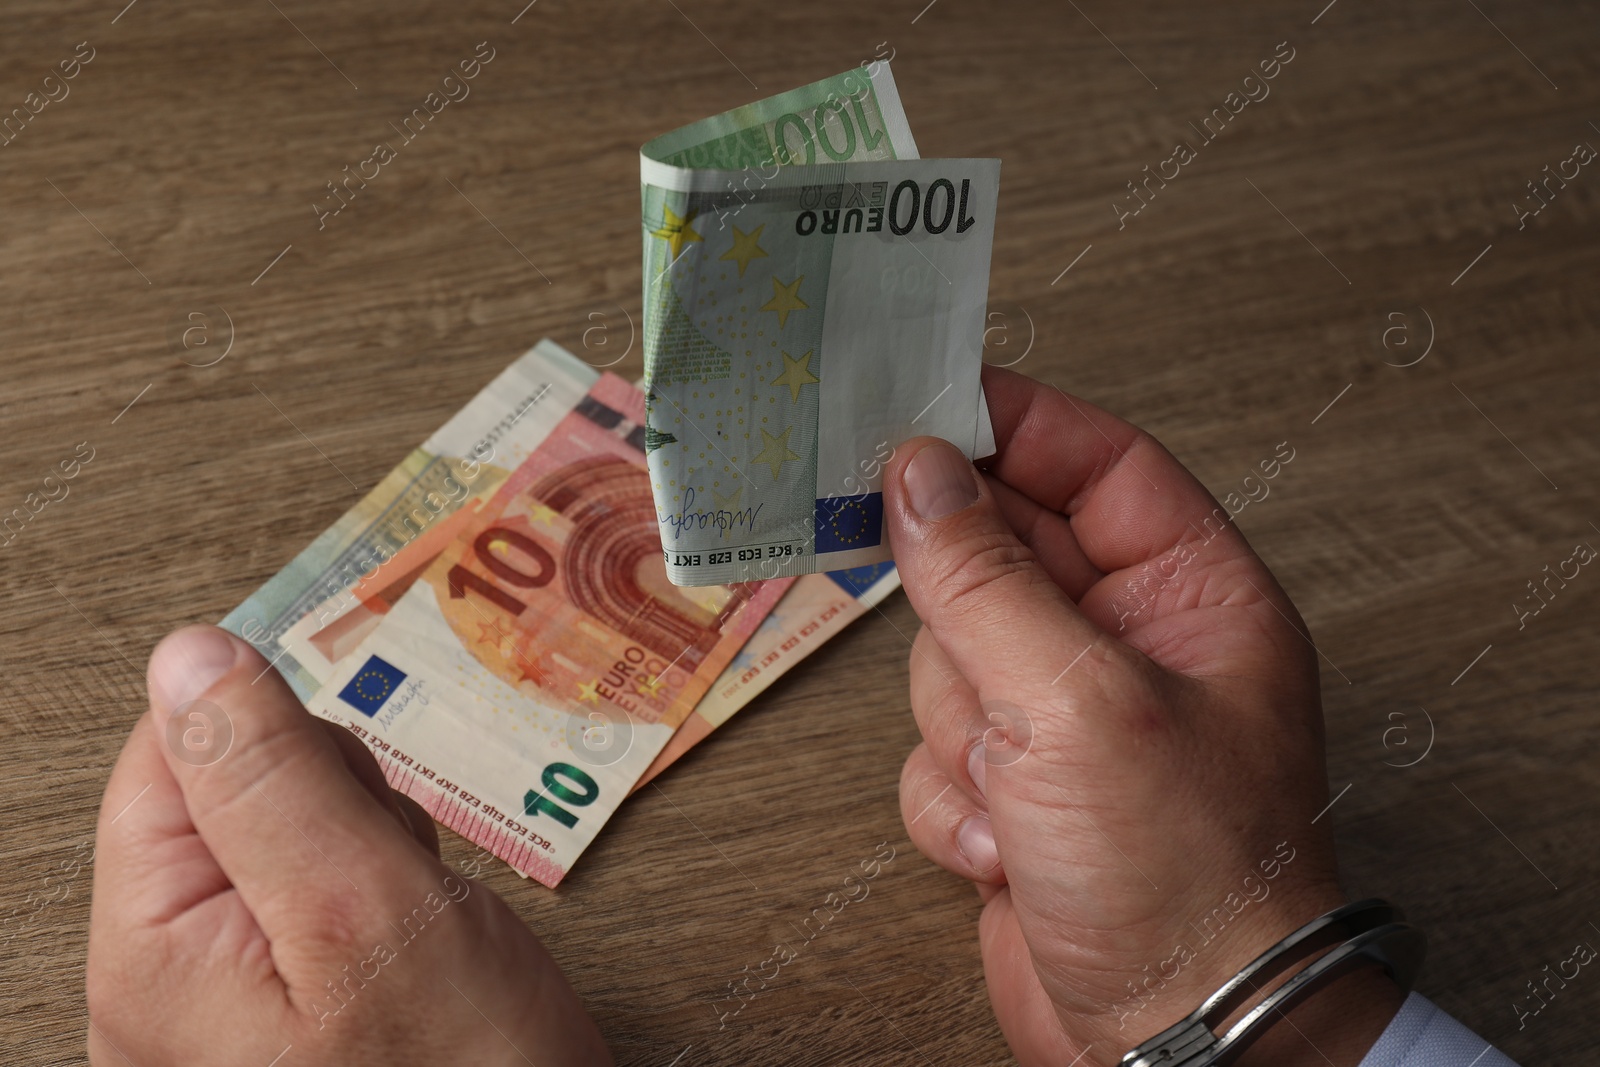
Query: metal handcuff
1366,932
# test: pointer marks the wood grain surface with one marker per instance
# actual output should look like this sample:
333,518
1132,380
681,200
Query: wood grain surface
1246,304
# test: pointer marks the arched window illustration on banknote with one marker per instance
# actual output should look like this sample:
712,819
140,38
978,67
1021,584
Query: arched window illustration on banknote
558,588
613,569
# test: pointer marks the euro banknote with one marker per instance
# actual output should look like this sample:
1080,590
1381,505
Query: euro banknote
370,558
813,610
465,459
524,680
814,295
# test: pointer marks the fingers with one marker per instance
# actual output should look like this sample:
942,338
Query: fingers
149,864
948,715
965,737
944,823
365,769
420,823
314,856
1022,1007
407,812
1140,518
1129,498
991,606
1048,534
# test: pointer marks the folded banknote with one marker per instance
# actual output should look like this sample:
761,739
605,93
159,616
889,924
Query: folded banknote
814,295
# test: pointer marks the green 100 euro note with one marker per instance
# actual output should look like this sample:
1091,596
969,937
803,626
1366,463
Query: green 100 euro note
814,295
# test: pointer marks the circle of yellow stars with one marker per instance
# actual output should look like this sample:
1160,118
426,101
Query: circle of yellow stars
834,522
383,680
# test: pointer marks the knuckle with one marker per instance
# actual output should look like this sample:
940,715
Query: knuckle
914,772
333,925
1109,712
257,760
950,721
990,568
921,783
1107,670
931,673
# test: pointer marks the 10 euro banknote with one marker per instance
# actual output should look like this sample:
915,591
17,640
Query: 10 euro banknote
536,483
814,295
542,660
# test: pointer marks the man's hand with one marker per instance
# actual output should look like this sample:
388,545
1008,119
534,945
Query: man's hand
1122,734
260,892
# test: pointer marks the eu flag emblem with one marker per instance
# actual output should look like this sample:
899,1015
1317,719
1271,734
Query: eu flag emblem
857,580
372,685
849,522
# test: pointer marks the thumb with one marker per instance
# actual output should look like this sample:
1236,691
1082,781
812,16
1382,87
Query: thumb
999,617
315,858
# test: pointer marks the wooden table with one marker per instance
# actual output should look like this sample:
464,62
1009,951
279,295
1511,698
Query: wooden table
1360,215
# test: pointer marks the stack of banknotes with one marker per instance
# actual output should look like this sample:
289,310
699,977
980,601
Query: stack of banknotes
529,618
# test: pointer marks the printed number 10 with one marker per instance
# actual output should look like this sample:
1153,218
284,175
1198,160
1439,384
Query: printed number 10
535,802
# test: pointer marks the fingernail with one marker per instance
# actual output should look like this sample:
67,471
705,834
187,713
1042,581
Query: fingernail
975,839
978,765
188,662
940,481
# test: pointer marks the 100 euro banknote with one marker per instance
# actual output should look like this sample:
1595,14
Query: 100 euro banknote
814,294
522,683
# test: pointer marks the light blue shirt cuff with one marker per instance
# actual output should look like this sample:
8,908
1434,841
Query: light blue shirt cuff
1421,1035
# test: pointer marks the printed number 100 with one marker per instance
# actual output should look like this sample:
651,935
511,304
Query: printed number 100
534,802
